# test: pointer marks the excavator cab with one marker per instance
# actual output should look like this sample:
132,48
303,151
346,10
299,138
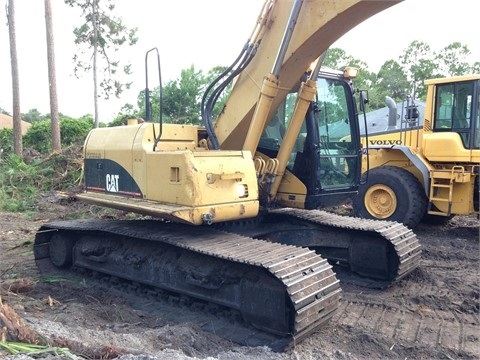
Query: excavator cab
326,156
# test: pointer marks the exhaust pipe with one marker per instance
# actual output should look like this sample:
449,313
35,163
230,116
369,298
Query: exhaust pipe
392,113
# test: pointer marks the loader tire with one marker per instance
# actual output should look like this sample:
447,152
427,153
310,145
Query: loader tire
437,220
391,193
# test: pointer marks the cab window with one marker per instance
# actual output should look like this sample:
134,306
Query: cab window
453,109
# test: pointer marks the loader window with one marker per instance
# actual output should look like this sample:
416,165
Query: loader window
443,113
453,110
476,117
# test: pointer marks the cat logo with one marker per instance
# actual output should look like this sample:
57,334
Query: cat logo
111,182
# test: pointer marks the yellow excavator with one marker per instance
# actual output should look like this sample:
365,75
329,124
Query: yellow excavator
235,202
427,170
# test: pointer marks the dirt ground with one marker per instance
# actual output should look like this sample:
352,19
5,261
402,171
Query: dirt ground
431,314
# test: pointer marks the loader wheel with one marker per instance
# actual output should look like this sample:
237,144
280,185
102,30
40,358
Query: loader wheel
393,194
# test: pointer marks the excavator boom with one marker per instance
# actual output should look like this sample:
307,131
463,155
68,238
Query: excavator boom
318,25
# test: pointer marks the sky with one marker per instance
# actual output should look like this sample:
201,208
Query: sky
205,33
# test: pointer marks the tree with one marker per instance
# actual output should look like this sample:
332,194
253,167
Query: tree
418,62
391,81
476,67
52,80
33,115
452,59
154,102
101,34
336,58
365,78
17,121
181,97
211,76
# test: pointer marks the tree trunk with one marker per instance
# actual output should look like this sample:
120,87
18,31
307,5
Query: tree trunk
95,51
17,120
52,80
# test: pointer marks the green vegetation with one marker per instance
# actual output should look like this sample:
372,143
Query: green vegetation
24,180
6,140
181,98
16,348
22,183
72,131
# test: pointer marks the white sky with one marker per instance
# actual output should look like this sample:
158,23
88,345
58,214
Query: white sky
205,33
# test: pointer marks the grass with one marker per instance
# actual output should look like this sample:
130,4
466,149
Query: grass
22,183
16,348
51,279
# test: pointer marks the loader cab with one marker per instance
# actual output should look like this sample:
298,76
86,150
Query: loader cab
456,110
327,154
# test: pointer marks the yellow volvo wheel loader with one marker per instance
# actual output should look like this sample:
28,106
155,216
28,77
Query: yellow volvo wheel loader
430,170
235,202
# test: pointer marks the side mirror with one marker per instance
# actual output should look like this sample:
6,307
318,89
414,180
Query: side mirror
363,100
411,112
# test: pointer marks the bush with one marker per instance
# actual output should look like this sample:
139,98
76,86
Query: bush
6,141
72,131
19,183
39,136
22,184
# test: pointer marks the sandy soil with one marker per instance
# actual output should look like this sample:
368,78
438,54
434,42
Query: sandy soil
431,314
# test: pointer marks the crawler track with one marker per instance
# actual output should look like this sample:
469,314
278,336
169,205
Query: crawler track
281,289
378,253
406,246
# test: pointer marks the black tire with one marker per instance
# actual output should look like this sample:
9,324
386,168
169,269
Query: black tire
393,194
436,219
